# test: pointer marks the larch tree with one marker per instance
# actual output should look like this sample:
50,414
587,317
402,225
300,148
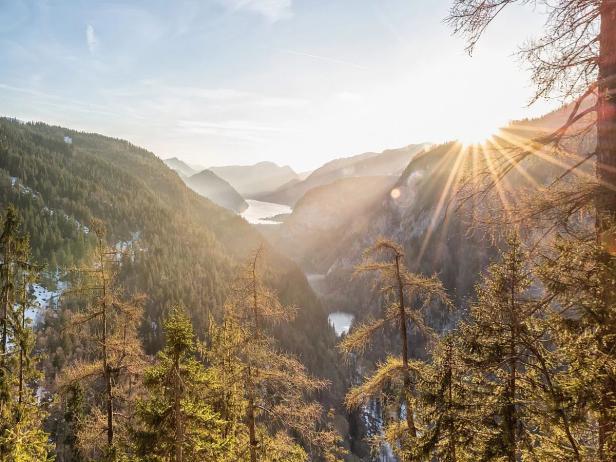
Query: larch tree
108,323
278,419
178,422
406,296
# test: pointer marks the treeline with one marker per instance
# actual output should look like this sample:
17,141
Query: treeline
236,396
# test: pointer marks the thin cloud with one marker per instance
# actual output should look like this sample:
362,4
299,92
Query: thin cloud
231,125
91,38
272,10
348,97
155,89
326,59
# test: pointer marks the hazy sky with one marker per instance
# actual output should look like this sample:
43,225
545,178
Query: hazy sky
298,82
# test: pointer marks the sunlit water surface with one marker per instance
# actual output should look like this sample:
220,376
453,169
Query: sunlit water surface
260,213
341,321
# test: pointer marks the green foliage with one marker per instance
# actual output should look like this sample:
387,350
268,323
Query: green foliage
177,421
22,438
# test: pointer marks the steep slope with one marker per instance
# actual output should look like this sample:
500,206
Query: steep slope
253,180
183,169
186,249
211,186
389,162
435,230
323,216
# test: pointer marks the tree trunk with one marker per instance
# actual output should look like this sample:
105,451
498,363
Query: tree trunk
21,348
250,420
606,117
177,410
606,201
6,289
106,367
452,430
410,421
511,405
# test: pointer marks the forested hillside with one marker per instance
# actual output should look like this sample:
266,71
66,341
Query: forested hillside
186,248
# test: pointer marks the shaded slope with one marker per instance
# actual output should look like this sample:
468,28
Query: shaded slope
183,169
209,185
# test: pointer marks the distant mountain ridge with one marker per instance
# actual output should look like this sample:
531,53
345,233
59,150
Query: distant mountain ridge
210,185
253,180
180,166
388,162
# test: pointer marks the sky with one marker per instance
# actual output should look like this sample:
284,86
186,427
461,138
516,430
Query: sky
297,82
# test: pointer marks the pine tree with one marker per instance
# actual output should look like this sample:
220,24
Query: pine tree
108,323
272,406
178,422
406,295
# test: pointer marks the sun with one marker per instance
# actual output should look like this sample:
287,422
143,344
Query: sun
474,132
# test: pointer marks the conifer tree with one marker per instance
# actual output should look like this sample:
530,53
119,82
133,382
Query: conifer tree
179,424
74,412
580,281
274,412
575,59
508,349
446,414
21,418
108,324
406,295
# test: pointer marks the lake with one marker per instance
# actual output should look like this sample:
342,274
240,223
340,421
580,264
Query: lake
258,212
341,321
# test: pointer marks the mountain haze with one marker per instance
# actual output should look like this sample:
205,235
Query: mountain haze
253,180
210,185
389,162
183,169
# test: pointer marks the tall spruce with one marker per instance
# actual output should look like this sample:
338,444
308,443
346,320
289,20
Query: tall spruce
447,415
178,419
406,295
22,437
107,323
580,281
508,349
